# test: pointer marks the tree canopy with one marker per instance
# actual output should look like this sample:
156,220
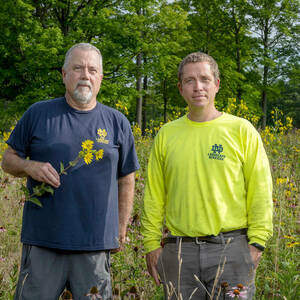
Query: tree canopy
255,42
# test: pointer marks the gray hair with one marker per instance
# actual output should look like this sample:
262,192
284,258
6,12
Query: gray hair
83,46
199,57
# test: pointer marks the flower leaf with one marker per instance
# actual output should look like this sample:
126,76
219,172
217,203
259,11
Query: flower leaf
48,189
62,168
25,190
35,201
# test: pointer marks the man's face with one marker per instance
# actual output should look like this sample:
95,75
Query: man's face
82,76
198,86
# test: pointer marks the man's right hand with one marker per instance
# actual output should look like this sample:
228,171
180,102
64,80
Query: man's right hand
43,172
152,260
13,164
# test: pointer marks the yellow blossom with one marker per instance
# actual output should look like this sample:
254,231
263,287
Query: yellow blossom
102,132
88,157
99,154
292,244
87,145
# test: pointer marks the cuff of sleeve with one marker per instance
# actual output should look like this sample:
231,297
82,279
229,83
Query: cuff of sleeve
150,246
256,240
258,246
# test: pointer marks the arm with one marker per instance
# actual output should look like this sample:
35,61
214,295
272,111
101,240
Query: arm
154,209
126,195
13,164
152,260
258,182
255,255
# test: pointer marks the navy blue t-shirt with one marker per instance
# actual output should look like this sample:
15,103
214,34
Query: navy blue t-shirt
83,212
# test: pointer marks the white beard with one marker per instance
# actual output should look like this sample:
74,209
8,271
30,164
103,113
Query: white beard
83,95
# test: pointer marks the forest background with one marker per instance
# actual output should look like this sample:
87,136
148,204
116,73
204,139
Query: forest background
255,42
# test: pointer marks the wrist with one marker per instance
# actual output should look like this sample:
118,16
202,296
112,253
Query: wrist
258,246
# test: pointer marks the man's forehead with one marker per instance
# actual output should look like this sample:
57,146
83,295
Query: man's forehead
196,67
83,55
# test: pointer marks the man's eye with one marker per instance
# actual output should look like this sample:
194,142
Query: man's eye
190,80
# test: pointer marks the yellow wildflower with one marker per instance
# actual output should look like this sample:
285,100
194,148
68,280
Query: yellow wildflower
88,157
99,154
292,244
87,145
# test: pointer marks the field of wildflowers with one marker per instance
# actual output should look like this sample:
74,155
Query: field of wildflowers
278,273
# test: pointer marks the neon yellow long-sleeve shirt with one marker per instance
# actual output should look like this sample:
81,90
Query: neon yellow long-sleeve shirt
204,178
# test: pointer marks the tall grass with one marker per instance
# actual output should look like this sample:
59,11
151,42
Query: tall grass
277,275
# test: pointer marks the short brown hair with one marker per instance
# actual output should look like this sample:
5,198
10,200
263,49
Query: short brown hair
199,57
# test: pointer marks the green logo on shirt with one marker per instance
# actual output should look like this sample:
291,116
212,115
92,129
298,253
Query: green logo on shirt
215,152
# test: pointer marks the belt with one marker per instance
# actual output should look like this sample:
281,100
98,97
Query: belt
217,239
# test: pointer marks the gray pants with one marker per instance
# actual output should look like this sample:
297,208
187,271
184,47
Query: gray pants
230,259
45,273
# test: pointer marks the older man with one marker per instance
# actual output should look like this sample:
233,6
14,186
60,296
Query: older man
67,241
209,183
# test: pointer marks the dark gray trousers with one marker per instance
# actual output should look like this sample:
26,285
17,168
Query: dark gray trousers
204,267
45,273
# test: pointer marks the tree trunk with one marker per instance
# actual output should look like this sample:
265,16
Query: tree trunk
264,100
165,100
139,98
145,88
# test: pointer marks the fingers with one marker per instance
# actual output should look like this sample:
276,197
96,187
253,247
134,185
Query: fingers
154,274
43,172
255,255
151,260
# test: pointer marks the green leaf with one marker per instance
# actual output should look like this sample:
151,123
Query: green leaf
49,189
25,190
62,168
38,190
35,201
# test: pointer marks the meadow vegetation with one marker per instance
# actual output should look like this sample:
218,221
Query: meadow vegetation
278,273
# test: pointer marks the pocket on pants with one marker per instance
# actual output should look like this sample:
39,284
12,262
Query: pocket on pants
25,261
159,266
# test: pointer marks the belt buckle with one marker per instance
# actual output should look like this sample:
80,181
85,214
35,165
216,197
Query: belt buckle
198,241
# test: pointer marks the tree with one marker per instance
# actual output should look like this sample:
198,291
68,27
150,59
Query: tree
273,22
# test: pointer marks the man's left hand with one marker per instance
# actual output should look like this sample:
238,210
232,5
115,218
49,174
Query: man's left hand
255,255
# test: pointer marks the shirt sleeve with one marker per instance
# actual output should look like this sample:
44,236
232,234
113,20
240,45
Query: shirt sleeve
128,161
20,137
154,198
258,182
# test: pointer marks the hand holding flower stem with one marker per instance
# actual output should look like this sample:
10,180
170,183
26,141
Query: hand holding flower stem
87,153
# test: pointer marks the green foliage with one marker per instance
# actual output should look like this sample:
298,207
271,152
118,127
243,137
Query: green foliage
256,44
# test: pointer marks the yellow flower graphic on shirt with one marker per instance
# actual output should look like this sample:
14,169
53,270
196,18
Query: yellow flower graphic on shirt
102,133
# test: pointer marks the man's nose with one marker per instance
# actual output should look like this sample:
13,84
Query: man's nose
198,85
84,73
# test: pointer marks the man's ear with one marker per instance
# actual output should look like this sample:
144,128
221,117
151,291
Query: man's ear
63,73
179,85
218,85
